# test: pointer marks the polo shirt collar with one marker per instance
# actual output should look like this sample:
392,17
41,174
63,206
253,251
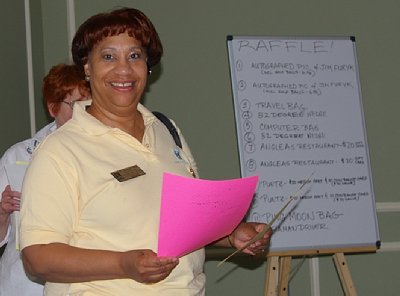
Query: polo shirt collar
93,126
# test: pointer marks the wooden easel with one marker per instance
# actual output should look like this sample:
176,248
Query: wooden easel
277,277
278,270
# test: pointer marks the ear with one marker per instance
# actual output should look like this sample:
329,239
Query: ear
86,69
50,107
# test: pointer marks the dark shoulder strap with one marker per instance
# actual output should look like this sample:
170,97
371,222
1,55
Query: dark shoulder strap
164,119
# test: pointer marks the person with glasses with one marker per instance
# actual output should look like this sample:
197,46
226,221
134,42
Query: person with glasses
62,87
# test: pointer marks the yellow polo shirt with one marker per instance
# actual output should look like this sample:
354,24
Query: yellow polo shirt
70,196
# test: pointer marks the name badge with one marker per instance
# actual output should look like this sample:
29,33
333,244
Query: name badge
128,173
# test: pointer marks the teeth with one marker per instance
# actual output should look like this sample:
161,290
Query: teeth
121,84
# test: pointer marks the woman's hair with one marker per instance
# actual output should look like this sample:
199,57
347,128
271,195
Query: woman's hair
123,20
61,81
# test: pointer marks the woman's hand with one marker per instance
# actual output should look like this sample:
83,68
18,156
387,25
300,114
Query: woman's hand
10,201
245,232
145,267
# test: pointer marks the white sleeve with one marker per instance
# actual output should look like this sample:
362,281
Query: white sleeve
5,240
10,156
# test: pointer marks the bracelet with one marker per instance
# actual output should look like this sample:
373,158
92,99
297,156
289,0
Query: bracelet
230,242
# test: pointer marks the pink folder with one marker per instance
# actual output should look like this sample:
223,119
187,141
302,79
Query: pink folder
197,212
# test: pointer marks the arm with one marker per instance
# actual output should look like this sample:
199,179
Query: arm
46,253
4,224
243,234
57,262
10,202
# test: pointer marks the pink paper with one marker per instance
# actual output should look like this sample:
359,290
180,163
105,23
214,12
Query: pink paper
197,212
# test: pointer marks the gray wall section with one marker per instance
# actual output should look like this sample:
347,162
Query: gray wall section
55,32
14,110
192,85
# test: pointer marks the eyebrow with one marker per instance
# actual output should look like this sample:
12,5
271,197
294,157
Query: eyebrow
130,48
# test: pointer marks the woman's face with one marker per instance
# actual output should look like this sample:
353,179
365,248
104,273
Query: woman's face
117,67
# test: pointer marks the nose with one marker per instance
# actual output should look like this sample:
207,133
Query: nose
123,67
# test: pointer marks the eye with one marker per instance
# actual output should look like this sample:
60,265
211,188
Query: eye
135,55
108,57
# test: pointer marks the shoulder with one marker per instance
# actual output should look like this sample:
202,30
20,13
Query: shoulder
23,150
45,131
19,151
61,142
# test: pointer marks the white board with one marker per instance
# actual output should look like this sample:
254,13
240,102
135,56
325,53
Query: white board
298,110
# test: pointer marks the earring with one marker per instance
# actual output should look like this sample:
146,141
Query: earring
149,72
87,78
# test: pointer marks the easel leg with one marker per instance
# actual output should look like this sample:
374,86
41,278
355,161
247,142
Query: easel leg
272,276
284,272
277,278
344,274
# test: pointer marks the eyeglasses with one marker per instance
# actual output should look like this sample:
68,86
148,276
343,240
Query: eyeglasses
70,104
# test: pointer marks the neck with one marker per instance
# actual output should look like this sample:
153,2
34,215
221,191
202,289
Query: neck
131,123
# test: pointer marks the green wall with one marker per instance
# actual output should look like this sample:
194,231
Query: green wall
14,110
192,85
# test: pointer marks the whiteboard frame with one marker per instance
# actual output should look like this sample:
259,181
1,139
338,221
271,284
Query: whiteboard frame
347,248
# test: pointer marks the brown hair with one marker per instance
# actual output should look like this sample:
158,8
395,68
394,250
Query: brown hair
61,81
102,25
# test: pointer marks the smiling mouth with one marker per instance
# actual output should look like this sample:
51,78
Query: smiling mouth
122,84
